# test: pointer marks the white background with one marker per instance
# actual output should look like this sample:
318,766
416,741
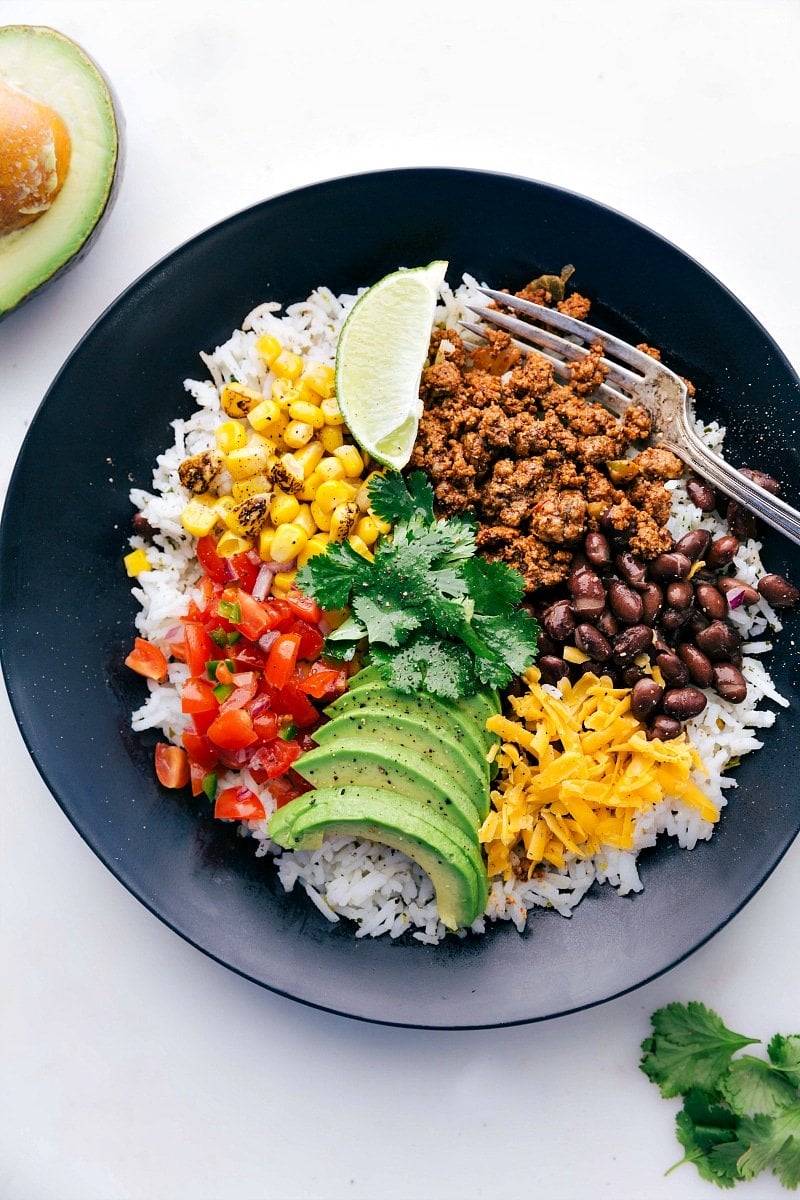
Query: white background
134,1068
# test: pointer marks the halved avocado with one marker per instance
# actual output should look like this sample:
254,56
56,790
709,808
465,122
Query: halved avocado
53,71
349,761
424,739
460,726
452,861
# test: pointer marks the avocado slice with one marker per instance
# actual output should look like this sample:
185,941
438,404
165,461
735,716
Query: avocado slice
53,70
481,706
351,761
460,726
452,860
423,738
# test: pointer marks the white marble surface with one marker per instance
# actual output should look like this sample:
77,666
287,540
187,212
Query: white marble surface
133,1068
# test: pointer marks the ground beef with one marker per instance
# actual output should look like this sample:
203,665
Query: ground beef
528,453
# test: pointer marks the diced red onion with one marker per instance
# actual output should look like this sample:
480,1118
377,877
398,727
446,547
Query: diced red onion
281,566
735,596
266,639
263,583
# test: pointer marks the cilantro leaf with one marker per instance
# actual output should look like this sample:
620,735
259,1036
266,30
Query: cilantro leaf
398,501
443,668
330,577
494,586
384,622
754,1086
772,1142
690,1048
707,1131
512,638
784,1053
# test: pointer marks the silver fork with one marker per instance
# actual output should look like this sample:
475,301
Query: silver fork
634,378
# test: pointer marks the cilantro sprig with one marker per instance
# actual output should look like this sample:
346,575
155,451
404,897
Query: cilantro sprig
740,1116
436,616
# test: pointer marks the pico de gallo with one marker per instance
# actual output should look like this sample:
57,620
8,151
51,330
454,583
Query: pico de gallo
256,685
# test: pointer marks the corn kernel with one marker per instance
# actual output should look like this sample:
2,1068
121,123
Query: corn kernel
309,489
230,435
268,347
305,520
252,459
268,417
198,518
320,539
265,536
237,400
283,581
297,433
284,392
223,505
301,410
331,438
309,550
320,377
287,473
283,508
306,393
330,409
231,543
321,518
330,468
231,521
351,460
343,518
360,547
136,563
288,541
243,489
381,525
287,365
309,456
333,492
367,530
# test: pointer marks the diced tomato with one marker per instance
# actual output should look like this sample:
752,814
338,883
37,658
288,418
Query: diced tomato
246,656
237,760
198,696
253,620
243,569
322,682
232,730
287,787
200,749
238,804
146,659
304,607
273,759
202,721
199,647
210,561
290,701
266,725
281,659
279,613
172,765
197,775
244,689
311,640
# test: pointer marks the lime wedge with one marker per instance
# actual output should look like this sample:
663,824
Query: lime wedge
382,350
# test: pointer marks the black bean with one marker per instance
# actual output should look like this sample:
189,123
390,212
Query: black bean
591,642
558,620
598,549
652,600
701,494
729,583
664,728
624,602
548,645
722,551
778,592
673,619
697,664
631,568
607,623
694,544
741,522
674,670
729,681
719,641
697,621
632,674
671,565
683,702
762,479
632,641
711,601
680,594
552,668
142,526
646,696
588,593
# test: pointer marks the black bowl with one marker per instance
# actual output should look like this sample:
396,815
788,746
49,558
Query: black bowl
67,611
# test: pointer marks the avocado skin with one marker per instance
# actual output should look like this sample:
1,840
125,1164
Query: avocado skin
462,727
354,760
452,861
422,738
57,261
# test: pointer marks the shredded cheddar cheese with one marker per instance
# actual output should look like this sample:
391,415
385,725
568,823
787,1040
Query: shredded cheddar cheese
573,772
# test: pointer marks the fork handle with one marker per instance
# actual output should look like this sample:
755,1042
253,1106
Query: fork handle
776,512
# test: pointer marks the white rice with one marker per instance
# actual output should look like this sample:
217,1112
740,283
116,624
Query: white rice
377,888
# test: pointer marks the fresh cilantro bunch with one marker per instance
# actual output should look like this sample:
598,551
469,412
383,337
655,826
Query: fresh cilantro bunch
740,1116
436,616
